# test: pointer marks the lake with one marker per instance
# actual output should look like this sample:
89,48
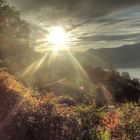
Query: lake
134,72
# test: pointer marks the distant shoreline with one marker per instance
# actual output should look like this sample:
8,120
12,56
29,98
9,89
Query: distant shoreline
134,72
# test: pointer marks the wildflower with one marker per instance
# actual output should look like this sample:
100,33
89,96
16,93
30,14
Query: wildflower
111,121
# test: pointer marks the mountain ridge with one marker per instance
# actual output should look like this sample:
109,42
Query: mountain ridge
120,57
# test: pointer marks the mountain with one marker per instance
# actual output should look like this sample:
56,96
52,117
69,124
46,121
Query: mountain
121,57
51,68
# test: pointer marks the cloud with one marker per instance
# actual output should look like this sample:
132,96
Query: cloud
110,37
91,23
95,8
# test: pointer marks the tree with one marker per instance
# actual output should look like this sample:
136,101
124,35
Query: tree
125,75
12,27
15,50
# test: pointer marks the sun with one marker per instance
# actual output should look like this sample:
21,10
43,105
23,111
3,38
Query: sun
58,38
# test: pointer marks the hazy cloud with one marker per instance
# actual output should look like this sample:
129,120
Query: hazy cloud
91,23
78,7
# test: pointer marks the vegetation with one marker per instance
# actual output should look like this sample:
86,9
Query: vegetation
109,107
15,50
35,116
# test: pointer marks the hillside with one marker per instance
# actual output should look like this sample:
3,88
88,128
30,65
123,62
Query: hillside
124,56
28,116
48,92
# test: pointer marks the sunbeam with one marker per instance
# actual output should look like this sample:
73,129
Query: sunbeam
109,97
82,74
30,70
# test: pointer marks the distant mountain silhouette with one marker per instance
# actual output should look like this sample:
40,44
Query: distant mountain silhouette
70,65
124,56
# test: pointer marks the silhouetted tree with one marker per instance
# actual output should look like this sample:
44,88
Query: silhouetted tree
11,25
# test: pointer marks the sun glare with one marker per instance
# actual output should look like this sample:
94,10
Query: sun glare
58,38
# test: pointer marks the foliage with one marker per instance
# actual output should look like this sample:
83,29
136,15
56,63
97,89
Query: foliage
67,100
12,27
15,43
120,85
30,117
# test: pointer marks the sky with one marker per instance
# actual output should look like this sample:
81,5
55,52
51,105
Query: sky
90,23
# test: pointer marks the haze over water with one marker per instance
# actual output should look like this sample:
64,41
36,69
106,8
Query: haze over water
134,72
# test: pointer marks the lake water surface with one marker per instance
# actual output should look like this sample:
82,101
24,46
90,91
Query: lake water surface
134,72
